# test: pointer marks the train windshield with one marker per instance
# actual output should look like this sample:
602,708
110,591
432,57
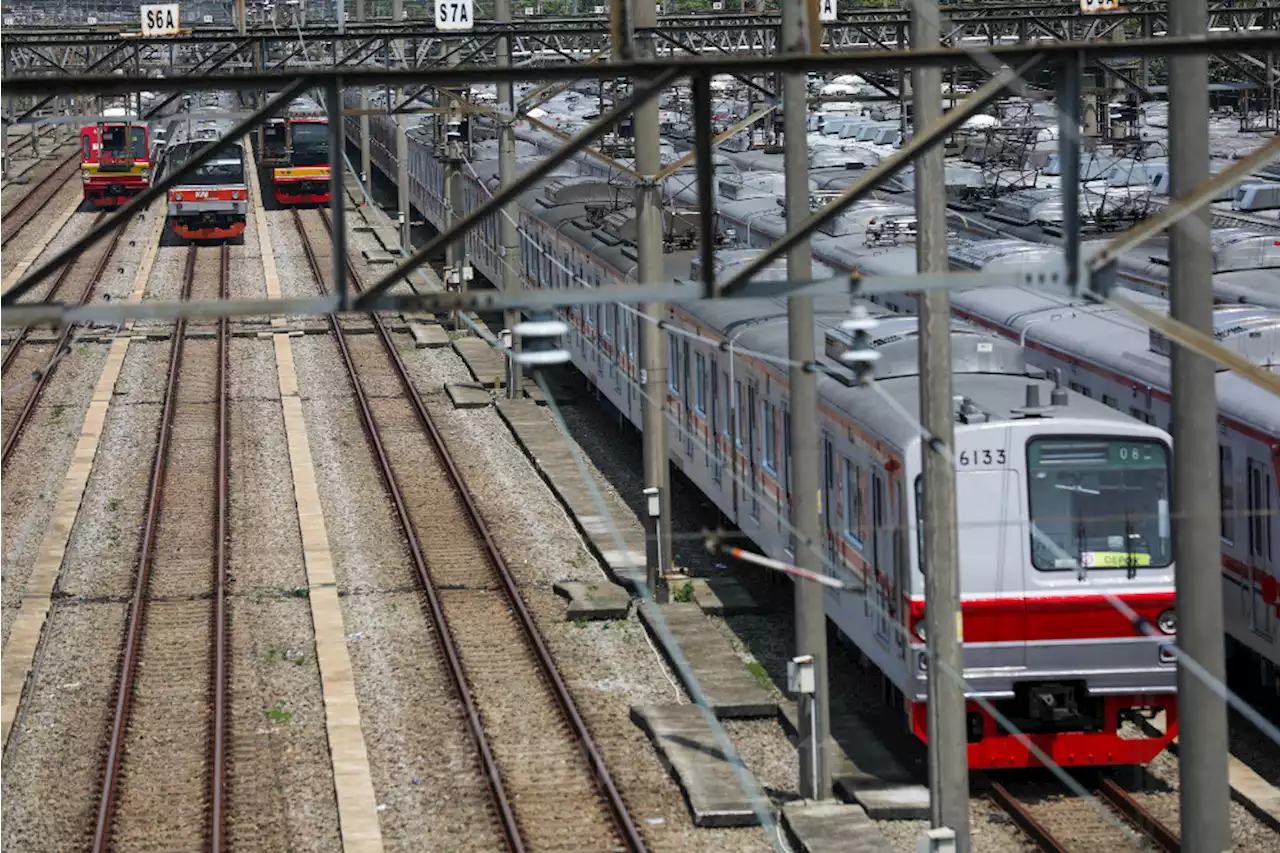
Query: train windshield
226,167
310,143
1099,503
116,140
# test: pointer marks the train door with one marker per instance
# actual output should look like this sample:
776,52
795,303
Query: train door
619,365
1260,486
830,522
991,537
784,501
717,422
877,554
690,401
753,439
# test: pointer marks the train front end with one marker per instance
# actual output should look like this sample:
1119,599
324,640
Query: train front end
211,203
115,163
1065,543
305,179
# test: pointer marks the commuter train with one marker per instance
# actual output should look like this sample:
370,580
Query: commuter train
1064,500
212,202
295,150
115,162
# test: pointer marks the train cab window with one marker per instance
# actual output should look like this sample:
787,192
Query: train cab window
1259,496
116,140
1099,503
1227,485
87,150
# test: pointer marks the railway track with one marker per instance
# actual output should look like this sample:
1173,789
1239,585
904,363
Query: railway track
548,782
37,197
32,365
1063,822
163,786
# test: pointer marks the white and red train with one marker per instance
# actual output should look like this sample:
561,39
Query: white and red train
115,161
295,153
1064,500
212,202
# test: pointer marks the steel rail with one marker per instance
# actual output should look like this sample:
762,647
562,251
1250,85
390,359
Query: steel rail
448,648
221,532
564,698
64,341
36,198
1138,815
15,346
1024,820
138,608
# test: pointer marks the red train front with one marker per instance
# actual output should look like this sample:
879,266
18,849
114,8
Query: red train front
297,151
210,203
115,162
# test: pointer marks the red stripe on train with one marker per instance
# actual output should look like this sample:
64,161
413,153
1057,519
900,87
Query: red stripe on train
1051,617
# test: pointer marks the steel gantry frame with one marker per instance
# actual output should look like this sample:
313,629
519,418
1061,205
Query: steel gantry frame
650,74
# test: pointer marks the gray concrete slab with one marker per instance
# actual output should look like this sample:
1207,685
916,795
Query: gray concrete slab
865,772
533,392
827,827
465,395
548,448
377,256
711,784
428,335
722,596
594,600
730,688
485,364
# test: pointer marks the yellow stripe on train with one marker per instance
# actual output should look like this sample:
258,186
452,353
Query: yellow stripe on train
302,172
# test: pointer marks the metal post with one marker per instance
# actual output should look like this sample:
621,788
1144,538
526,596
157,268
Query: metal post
366,161
242,20
339,12
652,523
653,351
810,602
948,745
510,251
706,180
1069,154
1202,715
337,203
403,207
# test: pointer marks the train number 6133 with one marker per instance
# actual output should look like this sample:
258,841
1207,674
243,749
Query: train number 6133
981,458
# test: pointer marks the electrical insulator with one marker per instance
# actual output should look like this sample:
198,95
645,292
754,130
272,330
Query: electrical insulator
861,358
540,341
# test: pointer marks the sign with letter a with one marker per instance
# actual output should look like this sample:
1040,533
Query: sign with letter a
826,11
454,15
160,20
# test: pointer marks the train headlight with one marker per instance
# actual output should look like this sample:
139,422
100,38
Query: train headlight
235,194
177,196
920,632
1167,622
85,174
146,174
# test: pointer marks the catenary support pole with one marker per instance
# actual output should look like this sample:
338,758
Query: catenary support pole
653,350
948,746
1202,715
506,174
810,601
403,207
337,192
366,160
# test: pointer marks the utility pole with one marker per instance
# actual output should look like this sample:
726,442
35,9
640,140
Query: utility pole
366,163
653,350
948,744
810,600
402,144
1202,715
510,249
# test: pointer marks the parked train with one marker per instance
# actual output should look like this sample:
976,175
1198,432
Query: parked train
1063,498
295,150
115,161
212,202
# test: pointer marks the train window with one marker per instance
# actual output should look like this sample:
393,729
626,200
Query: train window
88,148
1108,400
920,522
1259,495
1099,503
700,383
1226,473
673,364
726,400
741,404
770,439
854,525
1146,417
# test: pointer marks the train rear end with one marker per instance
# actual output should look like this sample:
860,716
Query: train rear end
1064,540
300,173
115,162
